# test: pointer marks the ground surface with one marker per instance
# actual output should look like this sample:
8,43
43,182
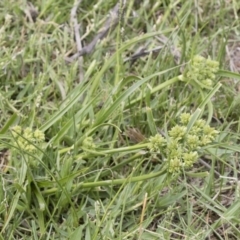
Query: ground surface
85,87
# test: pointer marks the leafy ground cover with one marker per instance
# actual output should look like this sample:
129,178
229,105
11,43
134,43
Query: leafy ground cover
119,121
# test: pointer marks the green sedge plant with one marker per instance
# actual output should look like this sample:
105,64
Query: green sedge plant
180,147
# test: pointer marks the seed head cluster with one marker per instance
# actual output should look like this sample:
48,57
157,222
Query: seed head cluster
202,71
181,148
26,139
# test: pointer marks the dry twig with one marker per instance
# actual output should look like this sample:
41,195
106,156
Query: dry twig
111,23
77,37
141,53
144,52
174,51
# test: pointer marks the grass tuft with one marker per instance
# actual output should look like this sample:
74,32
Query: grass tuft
136,140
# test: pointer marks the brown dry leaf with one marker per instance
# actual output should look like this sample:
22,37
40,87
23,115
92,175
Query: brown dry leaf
4,159
234,59
135,135
31,12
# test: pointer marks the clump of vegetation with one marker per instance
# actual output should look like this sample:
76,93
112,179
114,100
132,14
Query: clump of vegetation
26,139
119,121
202,72
180,148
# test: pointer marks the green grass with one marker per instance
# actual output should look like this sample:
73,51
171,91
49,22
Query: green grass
93,177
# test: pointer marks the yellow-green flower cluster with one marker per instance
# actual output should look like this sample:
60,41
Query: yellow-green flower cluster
180,149
27,139
88,143
156,143
202,71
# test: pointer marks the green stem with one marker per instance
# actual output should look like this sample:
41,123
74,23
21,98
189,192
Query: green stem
156,89
110,182
126,149
9,123
118,166
101,152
